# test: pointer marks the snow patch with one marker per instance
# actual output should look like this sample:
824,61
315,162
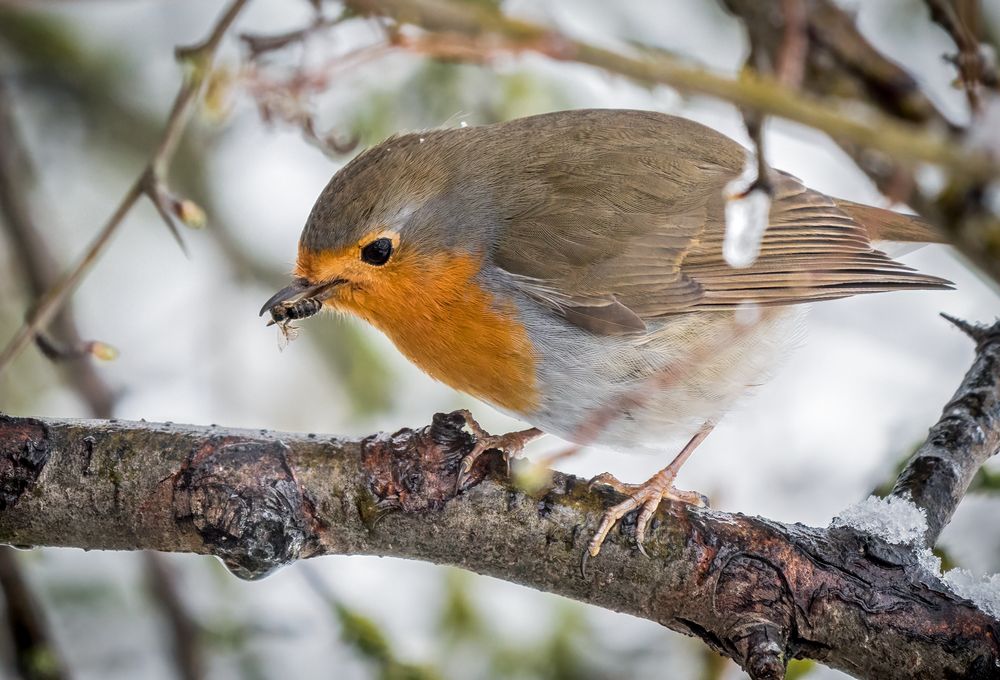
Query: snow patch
897,520
894,519
984,592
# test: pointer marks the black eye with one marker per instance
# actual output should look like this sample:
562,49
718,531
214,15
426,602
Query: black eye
377,252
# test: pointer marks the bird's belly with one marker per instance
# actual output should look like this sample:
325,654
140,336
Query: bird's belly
646,392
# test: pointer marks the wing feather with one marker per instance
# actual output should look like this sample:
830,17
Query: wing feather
624,226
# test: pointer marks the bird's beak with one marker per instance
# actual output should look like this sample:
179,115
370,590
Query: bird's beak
300,288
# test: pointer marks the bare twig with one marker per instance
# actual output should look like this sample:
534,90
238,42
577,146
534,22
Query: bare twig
38,265
36,656
938,475
258,45
184,629
791,62
861,125
199,58
972,67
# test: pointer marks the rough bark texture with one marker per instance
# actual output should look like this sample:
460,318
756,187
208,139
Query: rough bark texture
938,474
756,590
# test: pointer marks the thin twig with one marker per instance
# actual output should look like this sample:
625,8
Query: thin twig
36,655
791,62
938,475
862,124
199,58
37,264
971,64
185,631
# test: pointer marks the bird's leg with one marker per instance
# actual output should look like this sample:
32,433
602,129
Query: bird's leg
647,496
510,445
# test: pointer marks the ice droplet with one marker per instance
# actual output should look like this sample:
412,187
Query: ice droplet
748,208
463,124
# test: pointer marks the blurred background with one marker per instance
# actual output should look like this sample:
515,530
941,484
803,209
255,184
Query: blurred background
86,87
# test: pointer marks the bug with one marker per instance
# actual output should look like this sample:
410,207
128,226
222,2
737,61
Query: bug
283,313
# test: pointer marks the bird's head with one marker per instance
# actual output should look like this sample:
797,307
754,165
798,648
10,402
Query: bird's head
393,226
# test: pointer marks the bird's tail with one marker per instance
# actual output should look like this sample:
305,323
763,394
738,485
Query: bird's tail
887,225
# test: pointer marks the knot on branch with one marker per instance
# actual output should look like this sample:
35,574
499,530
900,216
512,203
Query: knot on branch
413,470
753,597
24,451
245,503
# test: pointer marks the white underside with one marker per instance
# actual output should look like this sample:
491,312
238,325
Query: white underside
642,393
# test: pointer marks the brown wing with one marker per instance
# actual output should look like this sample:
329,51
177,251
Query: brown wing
624,225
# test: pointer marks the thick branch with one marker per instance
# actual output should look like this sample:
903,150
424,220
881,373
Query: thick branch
758,591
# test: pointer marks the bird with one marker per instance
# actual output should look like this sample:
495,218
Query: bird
568,269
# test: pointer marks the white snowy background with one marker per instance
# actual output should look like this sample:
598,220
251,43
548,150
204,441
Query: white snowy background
870,378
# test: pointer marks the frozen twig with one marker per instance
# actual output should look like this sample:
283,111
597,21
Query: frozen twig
199,58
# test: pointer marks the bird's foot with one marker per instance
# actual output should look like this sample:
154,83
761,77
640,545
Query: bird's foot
511,445
646,496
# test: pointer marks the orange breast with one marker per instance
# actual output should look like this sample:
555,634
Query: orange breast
447,325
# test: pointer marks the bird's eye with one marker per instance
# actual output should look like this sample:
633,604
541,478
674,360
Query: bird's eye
377,252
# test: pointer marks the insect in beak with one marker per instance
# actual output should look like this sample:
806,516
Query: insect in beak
299,300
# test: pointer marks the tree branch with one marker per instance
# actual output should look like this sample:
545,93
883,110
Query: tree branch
36,657
757,590
862,125
937,476
36,259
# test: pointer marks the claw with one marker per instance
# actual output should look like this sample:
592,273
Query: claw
510,445
609,480
645,497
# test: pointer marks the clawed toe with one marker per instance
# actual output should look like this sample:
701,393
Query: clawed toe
645,498
511,445
609,480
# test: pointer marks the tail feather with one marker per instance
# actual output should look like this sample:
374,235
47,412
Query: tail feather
887,225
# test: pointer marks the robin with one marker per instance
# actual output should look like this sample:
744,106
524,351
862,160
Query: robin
568,269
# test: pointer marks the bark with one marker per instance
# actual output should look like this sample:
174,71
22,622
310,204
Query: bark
757,590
